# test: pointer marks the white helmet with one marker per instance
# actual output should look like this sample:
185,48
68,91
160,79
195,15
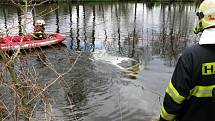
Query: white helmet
40,22
206,15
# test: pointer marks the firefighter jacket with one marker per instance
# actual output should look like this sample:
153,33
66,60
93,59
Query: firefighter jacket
190,93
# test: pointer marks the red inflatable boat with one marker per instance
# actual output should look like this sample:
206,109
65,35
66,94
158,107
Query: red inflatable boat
25,42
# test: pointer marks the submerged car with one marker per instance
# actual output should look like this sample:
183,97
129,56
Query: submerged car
125,64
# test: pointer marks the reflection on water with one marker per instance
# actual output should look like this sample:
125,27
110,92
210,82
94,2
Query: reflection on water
153,34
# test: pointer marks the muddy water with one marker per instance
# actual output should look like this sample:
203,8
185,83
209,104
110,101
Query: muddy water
98,35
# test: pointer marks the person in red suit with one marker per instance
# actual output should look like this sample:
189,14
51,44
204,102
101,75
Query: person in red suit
39,30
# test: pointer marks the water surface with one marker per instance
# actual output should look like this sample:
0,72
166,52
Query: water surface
153,34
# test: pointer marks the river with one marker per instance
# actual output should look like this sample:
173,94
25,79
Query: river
153,34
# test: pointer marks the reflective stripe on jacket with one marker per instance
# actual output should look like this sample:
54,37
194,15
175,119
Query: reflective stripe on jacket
189,95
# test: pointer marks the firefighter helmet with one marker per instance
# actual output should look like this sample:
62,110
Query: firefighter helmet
206,16
40,22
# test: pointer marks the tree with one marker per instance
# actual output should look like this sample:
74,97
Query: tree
22,95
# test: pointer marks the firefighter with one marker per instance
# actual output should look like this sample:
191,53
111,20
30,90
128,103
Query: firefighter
190,95
39,30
